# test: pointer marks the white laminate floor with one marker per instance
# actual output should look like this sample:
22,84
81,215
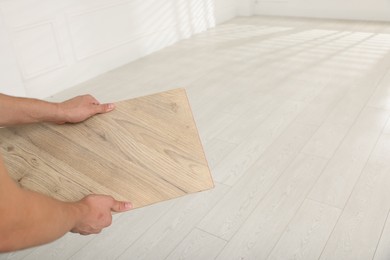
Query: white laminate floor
294,118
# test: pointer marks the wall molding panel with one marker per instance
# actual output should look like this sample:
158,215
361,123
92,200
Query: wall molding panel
54,44
37,48
371,10
91,34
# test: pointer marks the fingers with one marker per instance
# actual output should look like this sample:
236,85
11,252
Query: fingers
103,108
86,233
98,213
120,206
92,232
97,108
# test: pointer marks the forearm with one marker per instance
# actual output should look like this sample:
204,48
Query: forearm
28,218
36,220
16,110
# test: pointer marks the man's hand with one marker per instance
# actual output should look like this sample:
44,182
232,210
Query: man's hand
17,111
80,108
96,213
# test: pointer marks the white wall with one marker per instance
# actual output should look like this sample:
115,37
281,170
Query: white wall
49,45
225,10
10,77
245,7
340,9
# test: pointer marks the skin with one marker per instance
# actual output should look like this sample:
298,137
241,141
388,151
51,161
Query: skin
28,218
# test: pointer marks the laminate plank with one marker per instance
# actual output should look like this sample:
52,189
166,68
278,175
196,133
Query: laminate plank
386,130
247,122
381,97
124,232
170,230
146,151
250,100
197,245
336,183
327,139
307,233
216,150
226,218
38,170
318,110
212,101
262,230
62,248
382,251
16,255
298,90
241,159
339,121
215,123
360,226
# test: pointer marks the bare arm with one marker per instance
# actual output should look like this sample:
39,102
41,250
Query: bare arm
16,110
28,218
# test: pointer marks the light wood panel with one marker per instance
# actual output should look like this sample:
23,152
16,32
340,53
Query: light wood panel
383,251
244,125
307,232
226,218
248,152
125,231
197,245
340,120
341,174
145,151
173,227
263,228
358,231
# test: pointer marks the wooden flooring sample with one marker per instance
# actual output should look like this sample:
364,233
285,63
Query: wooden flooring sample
145,151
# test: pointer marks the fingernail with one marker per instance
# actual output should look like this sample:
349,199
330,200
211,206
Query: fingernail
111,106
128,205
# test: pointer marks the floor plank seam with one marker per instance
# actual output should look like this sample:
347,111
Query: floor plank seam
268,146
324,203
330,234
178,244
146,230
285,228
212,234
381,235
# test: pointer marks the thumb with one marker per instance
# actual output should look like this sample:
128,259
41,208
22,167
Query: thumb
104,108
120,206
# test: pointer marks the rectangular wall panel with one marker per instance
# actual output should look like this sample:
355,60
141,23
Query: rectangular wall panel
377,10
54,45
107,27
37,49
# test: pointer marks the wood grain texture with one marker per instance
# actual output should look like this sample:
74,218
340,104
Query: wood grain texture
236,163
359,229
226,218
341,174
197,245
126,230
383,251
263,228
174,226
307,233
147,150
